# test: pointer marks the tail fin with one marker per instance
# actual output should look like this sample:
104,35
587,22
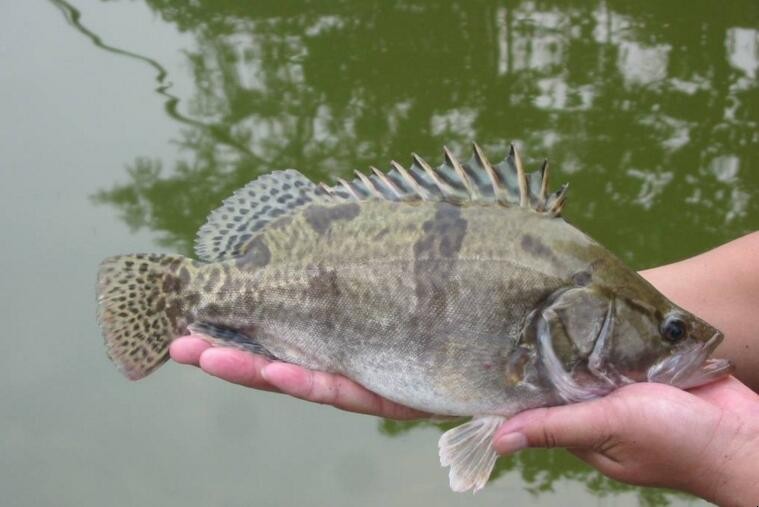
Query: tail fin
140,309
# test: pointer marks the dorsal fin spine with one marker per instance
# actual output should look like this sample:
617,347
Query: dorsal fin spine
387,182
370,186
539,195
350,188
556,202
499,190
444,187
544,181
418,189
521,178
451,159
477,180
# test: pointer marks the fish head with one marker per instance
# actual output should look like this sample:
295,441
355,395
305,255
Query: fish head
604,335
660,342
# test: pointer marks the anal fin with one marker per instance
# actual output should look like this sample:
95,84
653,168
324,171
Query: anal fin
229,337
468,451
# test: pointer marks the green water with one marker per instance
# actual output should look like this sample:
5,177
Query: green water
122,124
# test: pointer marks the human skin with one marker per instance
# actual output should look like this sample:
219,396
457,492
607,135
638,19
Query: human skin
704,441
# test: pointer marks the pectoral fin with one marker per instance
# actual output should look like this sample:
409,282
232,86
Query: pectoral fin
468,450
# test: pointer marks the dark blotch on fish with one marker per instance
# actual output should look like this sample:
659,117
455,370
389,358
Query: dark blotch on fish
192,300
582,279
323,286
535,246
213,279
258,254
320,218
443,234
281,222
173,312
184,276
442,239
170,284
174,264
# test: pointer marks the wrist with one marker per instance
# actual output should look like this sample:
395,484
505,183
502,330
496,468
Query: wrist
734,480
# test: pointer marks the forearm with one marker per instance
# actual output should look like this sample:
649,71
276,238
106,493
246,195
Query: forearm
722,287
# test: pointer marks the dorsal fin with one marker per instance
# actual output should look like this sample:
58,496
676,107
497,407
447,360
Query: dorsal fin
231,229
476,180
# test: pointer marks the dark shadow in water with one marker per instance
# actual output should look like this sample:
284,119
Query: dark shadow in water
649,108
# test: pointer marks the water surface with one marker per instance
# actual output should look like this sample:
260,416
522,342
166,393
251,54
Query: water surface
124,123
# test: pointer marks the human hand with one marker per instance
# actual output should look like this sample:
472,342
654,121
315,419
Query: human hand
704,441
249,370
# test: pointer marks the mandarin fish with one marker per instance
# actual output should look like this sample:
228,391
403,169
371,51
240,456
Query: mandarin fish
458,290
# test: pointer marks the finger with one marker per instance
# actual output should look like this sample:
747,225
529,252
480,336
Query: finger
332,389
235,366
728,393
187,349
581,425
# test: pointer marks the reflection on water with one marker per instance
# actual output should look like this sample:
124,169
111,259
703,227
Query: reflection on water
636,103
544,469
649,109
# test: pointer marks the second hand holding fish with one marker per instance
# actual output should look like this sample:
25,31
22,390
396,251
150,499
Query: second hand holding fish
637,434
705,441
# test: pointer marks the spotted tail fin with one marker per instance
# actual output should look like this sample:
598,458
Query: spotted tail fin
140,309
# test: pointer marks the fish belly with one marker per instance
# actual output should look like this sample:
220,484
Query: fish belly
433,336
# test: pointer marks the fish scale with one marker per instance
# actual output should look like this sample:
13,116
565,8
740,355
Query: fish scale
456,290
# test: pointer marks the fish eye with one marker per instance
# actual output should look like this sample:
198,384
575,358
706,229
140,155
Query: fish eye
673,329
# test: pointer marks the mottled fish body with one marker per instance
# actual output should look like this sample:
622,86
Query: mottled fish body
457,290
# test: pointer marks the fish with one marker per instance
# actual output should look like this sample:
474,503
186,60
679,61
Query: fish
458,290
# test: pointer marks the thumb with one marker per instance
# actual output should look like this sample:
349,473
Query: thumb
582,425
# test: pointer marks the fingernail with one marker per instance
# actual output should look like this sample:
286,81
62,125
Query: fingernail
511,443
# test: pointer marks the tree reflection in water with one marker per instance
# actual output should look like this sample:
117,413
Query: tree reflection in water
649,108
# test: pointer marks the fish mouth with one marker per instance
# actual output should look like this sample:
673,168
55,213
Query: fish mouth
689,367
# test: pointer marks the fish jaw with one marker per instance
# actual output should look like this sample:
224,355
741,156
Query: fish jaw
689,367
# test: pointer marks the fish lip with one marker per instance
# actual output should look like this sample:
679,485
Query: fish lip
713,342
689,367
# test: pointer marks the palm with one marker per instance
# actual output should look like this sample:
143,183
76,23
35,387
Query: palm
644,433
257,372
